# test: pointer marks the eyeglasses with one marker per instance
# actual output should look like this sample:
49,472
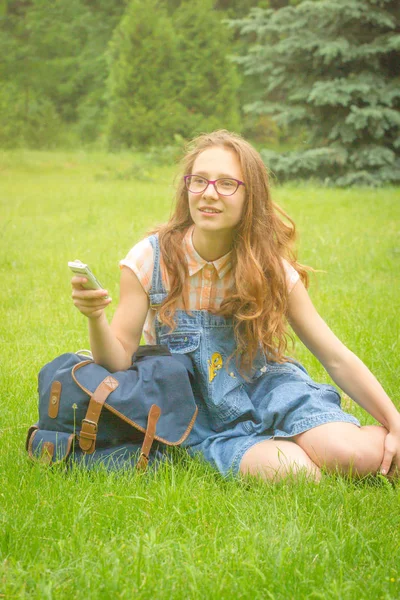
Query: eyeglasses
226,186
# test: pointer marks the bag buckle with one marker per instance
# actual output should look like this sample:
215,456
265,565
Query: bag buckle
87,436
154,415
90,423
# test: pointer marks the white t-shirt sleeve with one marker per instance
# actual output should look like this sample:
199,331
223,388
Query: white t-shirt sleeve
140,259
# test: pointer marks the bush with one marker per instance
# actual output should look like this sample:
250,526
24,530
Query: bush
27,120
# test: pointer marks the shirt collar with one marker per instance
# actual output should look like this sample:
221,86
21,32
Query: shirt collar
196,262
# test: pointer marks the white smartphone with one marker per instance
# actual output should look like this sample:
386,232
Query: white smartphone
81,270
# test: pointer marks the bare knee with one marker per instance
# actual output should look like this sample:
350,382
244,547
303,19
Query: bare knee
277,459
346,448
350,457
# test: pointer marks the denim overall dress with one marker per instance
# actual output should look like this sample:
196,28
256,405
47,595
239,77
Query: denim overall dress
278,401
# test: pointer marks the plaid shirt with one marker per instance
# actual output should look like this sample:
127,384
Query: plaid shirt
209,282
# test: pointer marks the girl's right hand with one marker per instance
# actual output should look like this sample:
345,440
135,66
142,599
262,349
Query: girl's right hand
90,303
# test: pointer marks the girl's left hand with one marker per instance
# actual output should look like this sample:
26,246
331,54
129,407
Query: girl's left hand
390,466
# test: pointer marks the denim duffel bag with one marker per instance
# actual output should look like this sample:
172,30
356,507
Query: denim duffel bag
89,415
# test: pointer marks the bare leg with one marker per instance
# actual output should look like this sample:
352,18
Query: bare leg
276,458
344,447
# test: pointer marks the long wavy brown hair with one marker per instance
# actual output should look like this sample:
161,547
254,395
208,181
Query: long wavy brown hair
258,300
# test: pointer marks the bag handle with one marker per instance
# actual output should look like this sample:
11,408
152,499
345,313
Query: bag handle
88,434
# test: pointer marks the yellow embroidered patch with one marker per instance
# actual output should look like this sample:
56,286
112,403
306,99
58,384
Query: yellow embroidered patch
214,365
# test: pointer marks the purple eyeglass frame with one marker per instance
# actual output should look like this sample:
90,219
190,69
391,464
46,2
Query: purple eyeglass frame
186,177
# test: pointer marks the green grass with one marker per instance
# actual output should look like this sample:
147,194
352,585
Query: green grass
182,531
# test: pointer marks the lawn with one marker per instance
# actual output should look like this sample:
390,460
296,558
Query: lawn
183,531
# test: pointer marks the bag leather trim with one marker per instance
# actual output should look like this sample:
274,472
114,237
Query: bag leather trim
31,436
33,429
154,415
47,453
54,399
156,437
129,421
88,433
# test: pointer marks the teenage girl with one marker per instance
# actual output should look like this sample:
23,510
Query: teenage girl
219,282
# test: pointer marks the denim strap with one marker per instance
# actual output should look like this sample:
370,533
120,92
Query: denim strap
157,291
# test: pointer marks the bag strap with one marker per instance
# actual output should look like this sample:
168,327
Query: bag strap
88,434
154,415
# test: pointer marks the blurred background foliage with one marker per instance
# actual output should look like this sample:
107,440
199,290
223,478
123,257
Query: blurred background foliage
314,84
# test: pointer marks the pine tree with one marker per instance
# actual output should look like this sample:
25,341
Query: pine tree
144,62
170,74
331,68
103,16
208,83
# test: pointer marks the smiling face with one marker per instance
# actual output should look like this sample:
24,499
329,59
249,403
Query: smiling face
210,211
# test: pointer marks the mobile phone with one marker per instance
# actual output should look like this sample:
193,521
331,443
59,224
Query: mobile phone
82,270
